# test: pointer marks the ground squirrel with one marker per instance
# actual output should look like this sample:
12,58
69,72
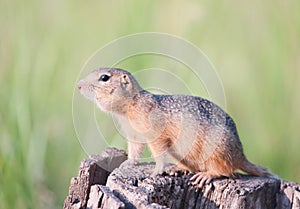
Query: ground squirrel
193,131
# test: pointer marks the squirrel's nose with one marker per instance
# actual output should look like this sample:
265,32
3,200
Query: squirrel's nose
79,84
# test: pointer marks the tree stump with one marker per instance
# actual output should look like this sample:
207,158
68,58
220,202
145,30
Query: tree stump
105,182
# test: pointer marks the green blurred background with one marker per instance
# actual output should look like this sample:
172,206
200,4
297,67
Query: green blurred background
254,46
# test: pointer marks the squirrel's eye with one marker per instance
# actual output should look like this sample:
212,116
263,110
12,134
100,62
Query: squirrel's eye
104,78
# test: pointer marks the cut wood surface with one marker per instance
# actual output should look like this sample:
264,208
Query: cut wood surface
104,181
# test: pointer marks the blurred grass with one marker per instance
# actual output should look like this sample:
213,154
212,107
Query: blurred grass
254,45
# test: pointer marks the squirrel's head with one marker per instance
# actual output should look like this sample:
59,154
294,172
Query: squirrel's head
110,88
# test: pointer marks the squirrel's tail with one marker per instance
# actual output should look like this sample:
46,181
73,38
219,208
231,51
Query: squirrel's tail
256,170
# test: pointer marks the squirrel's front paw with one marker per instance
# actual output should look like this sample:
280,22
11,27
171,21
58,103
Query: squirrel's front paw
157,171
130,162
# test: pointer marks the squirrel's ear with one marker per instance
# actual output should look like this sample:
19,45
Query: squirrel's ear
125,81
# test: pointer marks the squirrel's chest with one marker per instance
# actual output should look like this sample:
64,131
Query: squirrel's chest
148,122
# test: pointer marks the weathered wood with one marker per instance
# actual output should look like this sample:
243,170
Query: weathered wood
131,186
102,197
94,170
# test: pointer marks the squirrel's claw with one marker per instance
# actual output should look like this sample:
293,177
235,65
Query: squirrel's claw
200,179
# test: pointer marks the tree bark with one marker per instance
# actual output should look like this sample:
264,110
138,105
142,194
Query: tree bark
103,182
